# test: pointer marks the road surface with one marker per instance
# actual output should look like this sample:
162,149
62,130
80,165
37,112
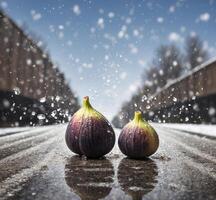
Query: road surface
36,164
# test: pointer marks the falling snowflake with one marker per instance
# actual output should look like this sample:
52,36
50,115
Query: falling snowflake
35,15
6,103
43,99
172,9
135,32
111,15
16,90
211,111
174,37
4,4
41,116
100,23
76,10
160,20
175,99
175,63
204,17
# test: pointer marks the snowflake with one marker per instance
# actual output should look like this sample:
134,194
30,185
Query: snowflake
100,23
160,20
76,10
111,15
35,16
174,37
204,17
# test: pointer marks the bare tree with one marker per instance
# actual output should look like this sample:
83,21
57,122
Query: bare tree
167,64
195,53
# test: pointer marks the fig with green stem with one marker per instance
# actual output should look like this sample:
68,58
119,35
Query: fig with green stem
138,139
89,133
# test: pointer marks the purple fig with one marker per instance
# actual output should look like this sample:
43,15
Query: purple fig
89,133
138,139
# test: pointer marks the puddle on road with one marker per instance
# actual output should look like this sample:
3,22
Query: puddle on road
137,177
95,179
74,177
89,179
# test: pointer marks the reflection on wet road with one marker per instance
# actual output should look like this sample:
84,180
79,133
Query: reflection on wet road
89,179
36,164
136,177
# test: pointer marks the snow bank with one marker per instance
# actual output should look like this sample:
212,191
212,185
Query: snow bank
199,129
6,131
13,130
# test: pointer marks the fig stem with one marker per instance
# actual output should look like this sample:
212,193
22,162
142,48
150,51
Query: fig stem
86,103
138,117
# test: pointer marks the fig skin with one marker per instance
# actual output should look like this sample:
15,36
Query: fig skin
138,139
89,133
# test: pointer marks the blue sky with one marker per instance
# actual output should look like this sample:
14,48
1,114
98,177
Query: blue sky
104,46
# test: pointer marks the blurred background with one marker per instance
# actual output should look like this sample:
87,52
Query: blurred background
156,57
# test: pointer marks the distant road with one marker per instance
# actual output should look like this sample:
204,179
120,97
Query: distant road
36,164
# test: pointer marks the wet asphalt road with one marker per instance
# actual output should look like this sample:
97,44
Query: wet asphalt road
36,164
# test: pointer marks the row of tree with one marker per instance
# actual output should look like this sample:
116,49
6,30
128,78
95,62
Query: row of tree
167,64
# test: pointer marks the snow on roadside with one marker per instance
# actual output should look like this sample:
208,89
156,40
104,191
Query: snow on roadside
12,130
201,129
5,131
